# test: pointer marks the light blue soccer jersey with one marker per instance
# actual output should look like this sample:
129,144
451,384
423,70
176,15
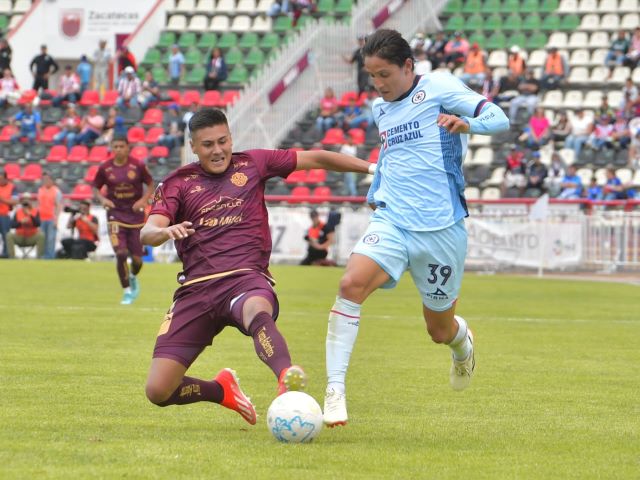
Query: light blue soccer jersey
421,182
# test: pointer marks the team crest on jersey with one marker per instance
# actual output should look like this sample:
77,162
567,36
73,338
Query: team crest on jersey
383,140
239,179
418,97
371,239
157,195
131,174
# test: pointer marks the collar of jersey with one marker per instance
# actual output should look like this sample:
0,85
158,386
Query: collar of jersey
406,94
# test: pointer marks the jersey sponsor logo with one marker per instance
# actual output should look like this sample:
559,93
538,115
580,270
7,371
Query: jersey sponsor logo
371,239
401,133
220,221
418,97
438,295
222,203
239,179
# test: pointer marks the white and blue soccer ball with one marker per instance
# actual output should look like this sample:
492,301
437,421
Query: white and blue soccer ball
294,417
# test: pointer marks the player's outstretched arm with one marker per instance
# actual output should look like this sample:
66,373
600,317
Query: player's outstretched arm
338,162
157,230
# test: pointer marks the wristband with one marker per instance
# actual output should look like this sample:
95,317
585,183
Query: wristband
372,168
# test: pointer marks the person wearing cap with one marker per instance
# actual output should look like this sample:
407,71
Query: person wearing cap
455,51
42,67
176,65
68,87
475,65
556,69
26,222
101,61
528,89
129,87
83,70
84,233
515,62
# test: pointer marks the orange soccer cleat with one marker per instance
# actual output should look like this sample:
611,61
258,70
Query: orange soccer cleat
234,398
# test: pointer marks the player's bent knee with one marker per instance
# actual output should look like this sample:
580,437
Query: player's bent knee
157,394
438,334
122,255
351,287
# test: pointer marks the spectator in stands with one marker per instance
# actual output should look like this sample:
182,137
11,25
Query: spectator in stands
298,7
125,60
129,87
356,58
633,54
419,43
629,96
83,70
601,136
488,85
349,178
515,170
422,65
613,189
279,7
435,52
30,125
327,117
349,113
176,65
621,135
9,90
90,128
5,55
113,126
150,93
556,70
536,173
193,108
42,67
8,199
516,63
581,128
634,150
555,175
455,51
561,128
617,51
571,185
69,127
365,119
68,87
594,192
87,238
171,124
528,89
101,60
605,109
50,206
320,237
474,67
506,88
25,221
216,70
538,131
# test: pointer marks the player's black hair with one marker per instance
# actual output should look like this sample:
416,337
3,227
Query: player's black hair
389,45
120,138
205,118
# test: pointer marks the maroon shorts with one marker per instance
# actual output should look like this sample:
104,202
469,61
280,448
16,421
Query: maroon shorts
201,311
125,239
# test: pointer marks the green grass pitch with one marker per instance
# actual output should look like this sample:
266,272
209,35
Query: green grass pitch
556,392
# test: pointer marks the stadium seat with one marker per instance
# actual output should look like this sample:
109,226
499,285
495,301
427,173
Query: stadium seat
136,135
497,58
7,132
255,57
590,22
472,193
374,155
12,170
573,99
248,41
630,21
579,75
82,191
234,56
316,175
241,23
174,96
190,97
568,156
58,153
159,151
219,23
246,6
90,176
263,24
579,58
198,23
98,154
321,194
297,176
109,99
205,6
333,136
152,135
297,193
140,152
610,21
48,133
211,98
89,98
630,6
229,97
153,116
358,135
568,6
558,40
186,6
587,6
491,193
78,153
152,57
552,99
195,76
239,75
207,41
177,23
482,156
193,56
32,173
599,40
167,39
282,24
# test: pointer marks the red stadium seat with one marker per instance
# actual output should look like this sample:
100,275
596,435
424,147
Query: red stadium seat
12,170
297,176
297,193
316,175
151,138
110,98
27,97
7,132
189,97
89,98
98,154
58,153
140,153
174,95
358,135
229,97
153,116
82,191
32,172
48,133
211,98
334,136
321,194
374,155
50,94
346,97
90,176
136,135
78,153
159,151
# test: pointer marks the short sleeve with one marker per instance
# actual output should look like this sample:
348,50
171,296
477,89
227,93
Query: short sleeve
274,163
166,200
456,97
145,174
99,180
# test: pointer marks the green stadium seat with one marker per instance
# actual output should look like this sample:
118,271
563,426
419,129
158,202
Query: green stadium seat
510,6
455,23
270,41
233,56
160,75
230,39
4,22
530,6
549,6
193,57
152,57
536,41
343,7
551,23
513,22
497,41
196,75
187,40
472,6
493,22
532,22
238,75
478,38
303,20
282,24
207,41
167,39
254,57
474,22
517,38
326,6
248,40
570,22
491,6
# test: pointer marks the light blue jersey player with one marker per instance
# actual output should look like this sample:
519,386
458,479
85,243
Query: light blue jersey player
418,197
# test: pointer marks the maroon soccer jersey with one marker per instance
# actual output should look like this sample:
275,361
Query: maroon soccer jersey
124,188
227,212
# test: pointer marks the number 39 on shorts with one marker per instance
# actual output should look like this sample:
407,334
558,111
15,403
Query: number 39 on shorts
439,274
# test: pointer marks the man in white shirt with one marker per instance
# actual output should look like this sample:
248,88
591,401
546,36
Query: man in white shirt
581,127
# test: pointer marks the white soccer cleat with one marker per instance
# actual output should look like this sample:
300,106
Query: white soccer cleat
335,408
462,371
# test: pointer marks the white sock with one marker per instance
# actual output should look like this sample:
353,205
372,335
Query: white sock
344,321
127,290
460,345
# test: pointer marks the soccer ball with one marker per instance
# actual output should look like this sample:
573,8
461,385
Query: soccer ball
294,417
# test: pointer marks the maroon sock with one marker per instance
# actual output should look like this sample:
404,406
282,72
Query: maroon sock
269,343
193,390
136,265
123,270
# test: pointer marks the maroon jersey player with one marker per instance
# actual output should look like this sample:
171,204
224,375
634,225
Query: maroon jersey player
125,199
214,210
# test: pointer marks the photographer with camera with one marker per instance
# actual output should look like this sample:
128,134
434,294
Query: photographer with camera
26,222
86,225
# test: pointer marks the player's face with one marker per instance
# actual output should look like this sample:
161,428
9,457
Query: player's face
390,80
213,146
120,150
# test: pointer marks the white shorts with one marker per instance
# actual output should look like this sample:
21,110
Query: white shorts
434,259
